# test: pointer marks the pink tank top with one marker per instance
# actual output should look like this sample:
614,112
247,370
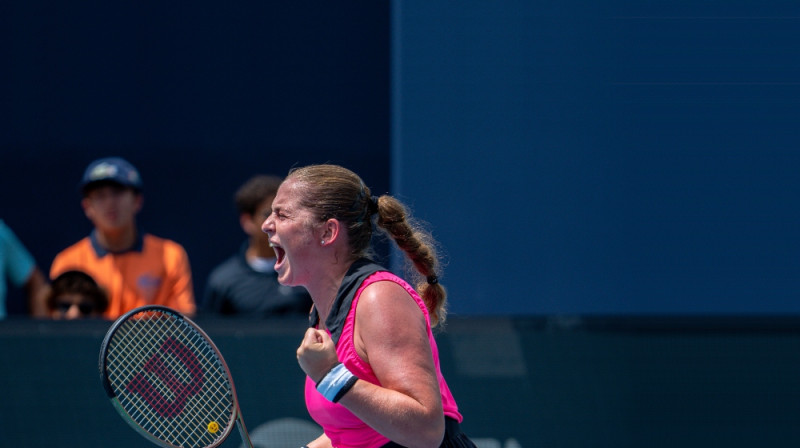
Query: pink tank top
340,425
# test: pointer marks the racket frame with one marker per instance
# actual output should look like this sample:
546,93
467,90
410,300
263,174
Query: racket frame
104,348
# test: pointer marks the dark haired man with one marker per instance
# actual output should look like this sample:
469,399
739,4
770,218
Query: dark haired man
246,285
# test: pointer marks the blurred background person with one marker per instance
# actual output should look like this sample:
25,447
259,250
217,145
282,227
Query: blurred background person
76,295
20,270
136,268
246,283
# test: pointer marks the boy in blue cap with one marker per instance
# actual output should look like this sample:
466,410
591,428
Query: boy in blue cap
136,268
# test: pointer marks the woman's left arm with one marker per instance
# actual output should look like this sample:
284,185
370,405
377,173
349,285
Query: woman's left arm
391,335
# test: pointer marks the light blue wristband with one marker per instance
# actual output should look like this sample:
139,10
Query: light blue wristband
336,383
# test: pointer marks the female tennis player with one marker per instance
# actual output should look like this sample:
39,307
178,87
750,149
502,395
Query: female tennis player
372,365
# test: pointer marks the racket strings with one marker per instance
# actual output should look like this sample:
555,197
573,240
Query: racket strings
169,386
170,380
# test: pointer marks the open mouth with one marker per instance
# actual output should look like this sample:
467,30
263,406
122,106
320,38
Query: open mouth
280,254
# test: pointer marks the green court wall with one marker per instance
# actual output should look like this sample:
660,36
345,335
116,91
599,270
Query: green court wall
520,381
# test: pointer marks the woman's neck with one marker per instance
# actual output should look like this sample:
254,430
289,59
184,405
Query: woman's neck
323,291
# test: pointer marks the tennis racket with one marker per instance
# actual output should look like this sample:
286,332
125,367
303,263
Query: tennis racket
168,380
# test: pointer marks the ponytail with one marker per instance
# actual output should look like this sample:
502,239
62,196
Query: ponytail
418,247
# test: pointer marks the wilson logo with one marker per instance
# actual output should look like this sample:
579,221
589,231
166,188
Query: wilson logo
181,391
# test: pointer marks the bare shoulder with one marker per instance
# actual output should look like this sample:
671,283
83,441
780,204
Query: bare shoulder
391,335
386,304
390,327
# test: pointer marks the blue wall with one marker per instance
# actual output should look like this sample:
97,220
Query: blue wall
604,157
572,156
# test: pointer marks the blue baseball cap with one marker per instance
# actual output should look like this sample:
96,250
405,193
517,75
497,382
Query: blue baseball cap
111,169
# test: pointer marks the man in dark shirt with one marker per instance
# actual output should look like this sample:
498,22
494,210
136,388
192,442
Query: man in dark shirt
246,284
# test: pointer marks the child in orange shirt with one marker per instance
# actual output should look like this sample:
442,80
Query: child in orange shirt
134,267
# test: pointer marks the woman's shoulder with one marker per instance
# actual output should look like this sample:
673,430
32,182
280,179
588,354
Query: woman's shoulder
385,292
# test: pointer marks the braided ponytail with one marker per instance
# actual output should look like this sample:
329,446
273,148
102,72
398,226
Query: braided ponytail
419,248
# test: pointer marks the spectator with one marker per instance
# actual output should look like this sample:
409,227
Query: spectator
75,295
19,269
246,284
136,268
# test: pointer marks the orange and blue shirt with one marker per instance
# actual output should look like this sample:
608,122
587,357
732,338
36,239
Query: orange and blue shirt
154,271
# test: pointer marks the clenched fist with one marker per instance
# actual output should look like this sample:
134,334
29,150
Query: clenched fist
317,354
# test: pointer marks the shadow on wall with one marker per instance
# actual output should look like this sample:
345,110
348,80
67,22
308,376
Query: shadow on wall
284,433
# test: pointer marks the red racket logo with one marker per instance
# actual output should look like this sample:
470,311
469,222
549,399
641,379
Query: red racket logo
181,391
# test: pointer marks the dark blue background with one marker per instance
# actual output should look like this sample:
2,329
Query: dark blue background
604,157
571,156
199,97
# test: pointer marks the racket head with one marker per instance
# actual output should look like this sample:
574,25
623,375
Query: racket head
167,379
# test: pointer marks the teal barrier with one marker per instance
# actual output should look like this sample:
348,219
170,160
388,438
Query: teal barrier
520,382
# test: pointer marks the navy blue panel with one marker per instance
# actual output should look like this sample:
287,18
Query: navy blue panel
604,157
